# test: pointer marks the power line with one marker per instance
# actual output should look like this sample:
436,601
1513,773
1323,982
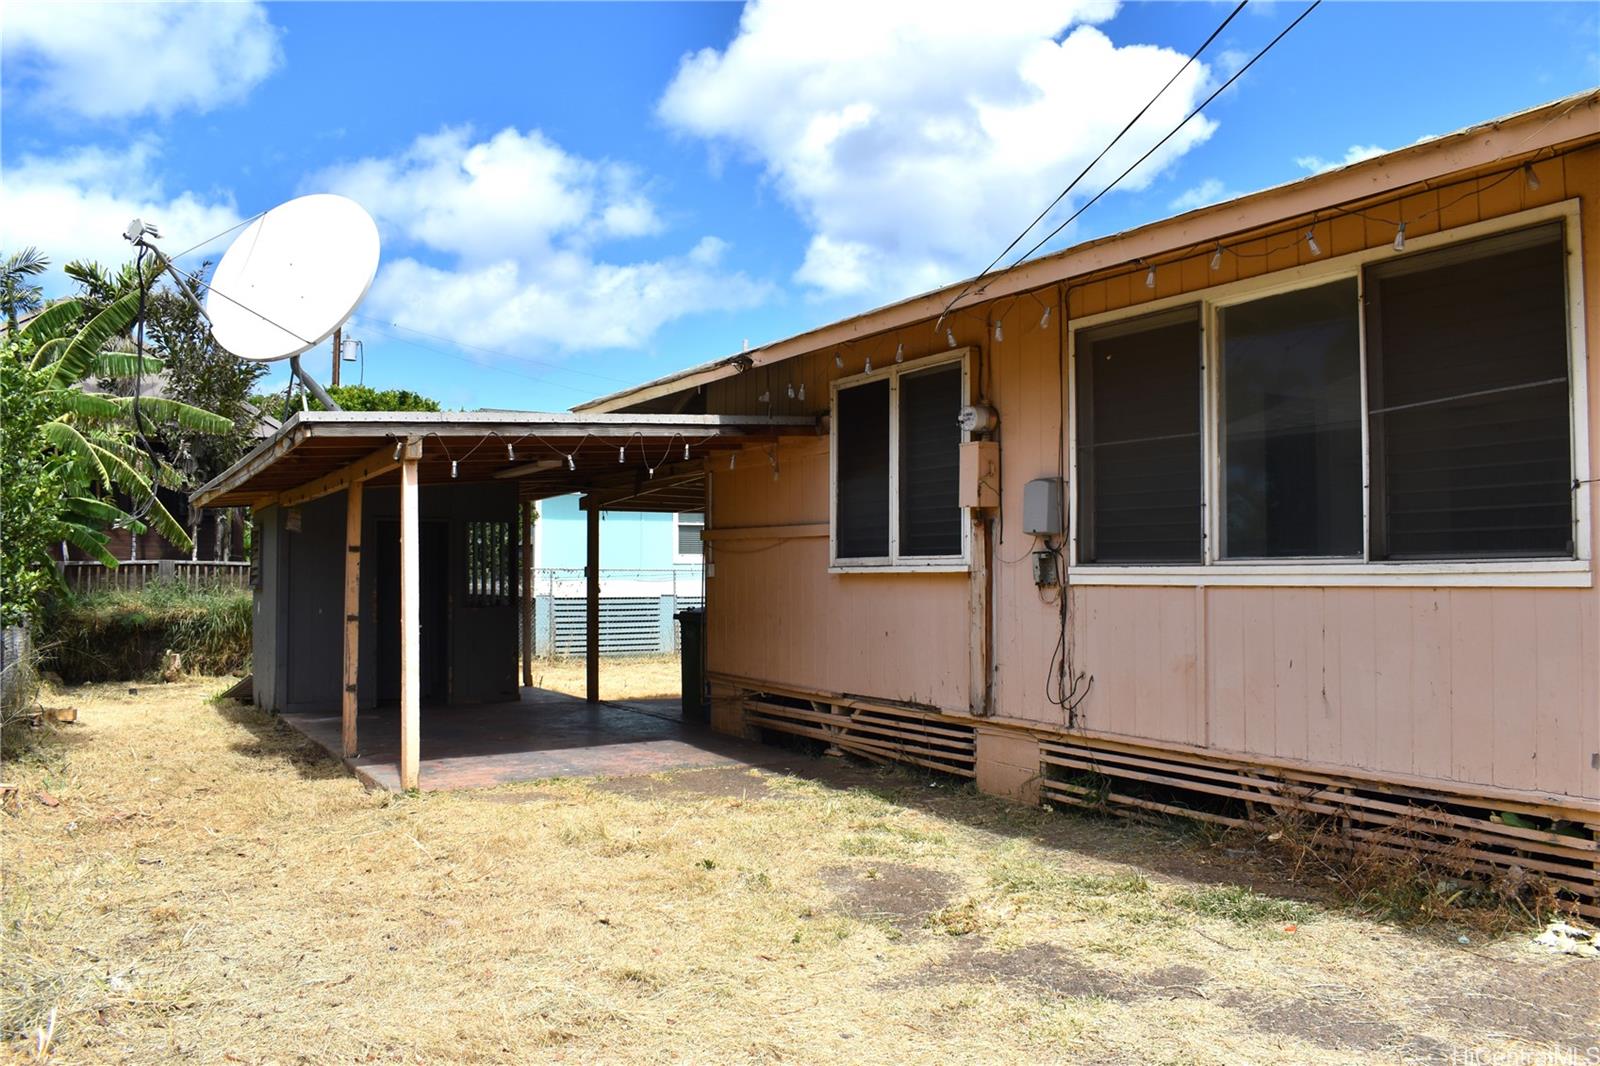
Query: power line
1062,195
1174,131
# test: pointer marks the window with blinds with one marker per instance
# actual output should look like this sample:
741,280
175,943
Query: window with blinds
1471,435
1139,446
690,526
896,462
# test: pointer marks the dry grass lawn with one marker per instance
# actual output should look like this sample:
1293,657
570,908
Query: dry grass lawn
189,882
647,677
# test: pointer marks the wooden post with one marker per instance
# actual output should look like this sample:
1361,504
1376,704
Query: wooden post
979,619
352,613
338,353
527,593
410,623
592,617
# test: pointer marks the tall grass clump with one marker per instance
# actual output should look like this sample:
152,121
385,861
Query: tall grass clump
124,635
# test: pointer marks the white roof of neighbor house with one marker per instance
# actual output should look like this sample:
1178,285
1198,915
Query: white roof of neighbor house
1521,134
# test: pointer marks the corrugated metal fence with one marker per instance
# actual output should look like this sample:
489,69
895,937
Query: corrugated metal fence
637,609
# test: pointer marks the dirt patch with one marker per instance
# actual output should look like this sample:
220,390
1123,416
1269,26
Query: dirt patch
1045,967
731,782
1325,1024
1543,1001
899,893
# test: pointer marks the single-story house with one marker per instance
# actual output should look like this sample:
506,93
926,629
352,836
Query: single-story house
1285,503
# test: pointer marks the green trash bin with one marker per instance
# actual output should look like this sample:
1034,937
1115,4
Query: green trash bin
692,650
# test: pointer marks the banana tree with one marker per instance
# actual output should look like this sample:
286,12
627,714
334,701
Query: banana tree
100,449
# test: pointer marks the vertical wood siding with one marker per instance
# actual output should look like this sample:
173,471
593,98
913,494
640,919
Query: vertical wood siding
1498,686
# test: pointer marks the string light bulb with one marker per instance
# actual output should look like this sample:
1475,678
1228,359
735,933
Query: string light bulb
999,334
838,360
1150,278
1400,238
802,391
869,365
733,459
1044,319
454,467
652,471
1311,243
900,353
1216,259
511,453
570,464
791,390
950,337
686,446
622,454
1532,178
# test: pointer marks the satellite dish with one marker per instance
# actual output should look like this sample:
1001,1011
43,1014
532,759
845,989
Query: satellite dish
292,277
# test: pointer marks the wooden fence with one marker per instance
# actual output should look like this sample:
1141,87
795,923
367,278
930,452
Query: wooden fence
88,576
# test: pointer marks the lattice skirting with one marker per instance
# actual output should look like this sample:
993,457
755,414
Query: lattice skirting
1471,833
878,733
1487,835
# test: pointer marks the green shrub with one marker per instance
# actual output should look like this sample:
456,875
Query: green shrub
117,635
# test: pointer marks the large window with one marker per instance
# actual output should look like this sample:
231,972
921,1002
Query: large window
1253,440
1291,424
1471,424
896,456
1139,440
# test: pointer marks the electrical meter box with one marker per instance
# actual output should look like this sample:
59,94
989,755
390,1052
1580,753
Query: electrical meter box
1041,507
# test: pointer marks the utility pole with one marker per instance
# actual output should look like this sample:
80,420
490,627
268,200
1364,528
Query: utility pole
338,339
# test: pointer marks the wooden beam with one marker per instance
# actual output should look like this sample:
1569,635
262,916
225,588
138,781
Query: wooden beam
352,615
980,634
592,609
527,516
797,530
410,626
379,462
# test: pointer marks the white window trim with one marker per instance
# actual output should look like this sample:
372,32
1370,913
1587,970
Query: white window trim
1313,572
893,563
679,557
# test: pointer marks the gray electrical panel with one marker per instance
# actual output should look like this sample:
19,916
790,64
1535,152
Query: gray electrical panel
1041,507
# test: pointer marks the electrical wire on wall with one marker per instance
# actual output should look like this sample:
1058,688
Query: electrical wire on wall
1066,686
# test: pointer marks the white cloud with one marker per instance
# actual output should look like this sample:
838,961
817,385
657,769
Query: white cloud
917,138
1354,154
518,223
1208,192
76,205
112,60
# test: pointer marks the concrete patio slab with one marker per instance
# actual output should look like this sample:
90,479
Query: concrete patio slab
542,735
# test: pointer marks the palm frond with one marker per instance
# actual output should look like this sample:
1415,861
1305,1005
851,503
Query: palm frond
78,360
117,364
185,415
88,540
92,405
78,450
52,322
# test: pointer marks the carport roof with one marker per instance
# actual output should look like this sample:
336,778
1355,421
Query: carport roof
625,461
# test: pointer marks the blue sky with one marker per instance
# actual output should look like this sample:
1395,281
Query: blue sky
574,198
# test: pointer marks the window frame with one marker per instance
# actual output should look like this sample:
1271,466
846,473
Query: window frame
893,562
679,557
1214,569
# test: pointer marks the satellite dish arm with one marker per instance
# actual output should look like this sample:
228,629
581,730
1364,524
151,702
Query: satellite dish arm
139,233
311,383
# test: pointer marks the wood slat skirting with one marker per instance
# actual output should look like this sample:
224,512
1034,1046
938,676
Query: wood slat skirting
1125,778
876,734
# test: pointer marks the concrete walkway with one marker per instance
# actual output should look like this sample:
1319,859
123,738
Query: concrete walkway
542,735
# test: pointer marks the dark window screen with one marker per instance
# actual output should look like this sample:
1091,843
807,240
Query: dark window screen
862,472
689,528
1139,441
1291,407
1471,429
930,454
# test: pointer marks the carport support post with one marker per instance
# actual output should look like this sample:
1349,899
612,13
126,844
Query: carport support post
352,614
592,614
410,618
527,593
